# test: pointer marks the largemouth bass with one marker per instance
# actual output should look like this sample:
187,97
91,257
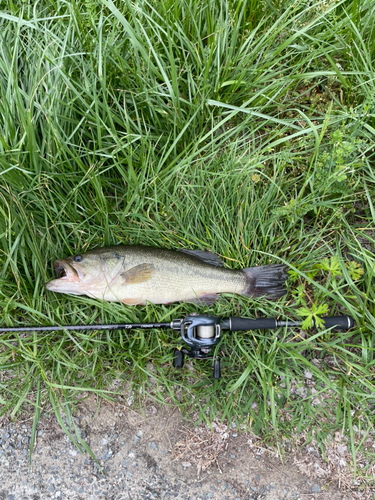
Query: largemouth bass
137,274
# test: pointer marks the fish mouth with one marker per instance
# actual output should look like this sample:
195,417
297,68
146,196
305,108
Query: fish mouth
65,271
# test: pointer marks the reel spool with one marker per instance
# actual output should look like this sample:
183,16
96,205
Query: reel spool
205,332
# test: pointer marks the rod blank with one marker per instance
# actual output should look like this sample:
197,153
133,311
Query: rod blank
57,328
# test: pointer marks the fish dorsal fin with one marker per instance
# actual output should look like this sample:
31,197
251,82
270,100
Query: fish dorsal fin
138,274
207,257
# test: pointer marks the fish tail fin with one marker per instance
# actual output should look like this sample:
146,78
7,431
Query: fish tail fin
265,281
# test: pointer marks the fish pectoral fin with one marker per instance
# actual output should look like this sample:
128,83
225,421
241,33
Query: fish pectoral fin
138,274
206,299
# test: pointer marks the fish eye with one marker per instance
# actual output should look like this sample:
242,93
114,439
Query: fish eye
77,258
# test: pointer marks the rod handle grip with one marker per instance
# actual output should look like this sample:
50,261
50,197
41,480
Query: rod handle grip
238,324
339,322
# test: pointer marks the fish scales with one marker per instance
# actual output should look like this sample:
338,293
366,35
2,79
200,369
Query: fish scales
177,277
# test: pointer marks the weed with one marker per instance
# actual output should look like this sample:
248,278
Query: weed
246,128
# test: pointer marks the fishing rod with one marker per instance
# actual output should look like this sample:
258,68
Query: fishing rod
200,333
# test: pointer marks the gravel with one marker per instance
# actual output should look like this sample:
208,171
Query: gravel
136,460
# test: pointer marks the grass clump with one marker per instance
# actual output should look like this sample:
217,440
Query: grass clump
243,127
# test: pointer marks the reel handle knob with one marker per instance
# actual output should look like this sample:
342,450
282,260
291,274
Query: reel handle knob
178,359
217,368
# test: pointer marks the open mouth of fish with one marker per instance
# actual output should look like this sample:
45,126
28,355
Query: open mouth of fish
65,271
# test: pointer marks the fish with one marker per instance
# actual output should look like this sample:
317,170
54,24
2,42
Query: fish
135,275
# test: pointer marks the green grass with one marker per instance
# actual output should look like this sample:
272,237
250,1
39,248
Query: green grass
242,127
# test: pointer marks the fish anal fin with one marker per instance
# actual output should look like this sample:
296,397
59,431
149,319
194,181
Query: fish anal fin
138,274
132,302
206,299
205,256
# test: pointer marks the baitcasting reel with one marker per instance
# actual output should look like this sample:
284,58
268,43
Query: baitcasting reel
200,333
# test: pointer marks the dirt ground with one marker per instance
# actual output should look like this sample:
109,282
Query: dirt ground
150,454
